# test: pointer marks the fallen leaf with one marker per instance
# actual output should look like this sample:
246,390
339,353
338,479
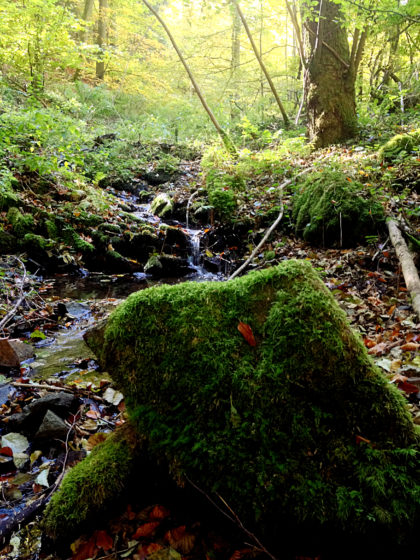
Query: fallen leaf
410,347
408,388
103,540
85,550
180,539
159,512
146,530
6,451
94,440
247,333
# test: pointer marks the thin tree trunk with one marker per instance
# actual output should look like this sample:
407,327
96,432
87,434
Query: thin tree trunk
234,64
262,65
225,138
102,33
409,270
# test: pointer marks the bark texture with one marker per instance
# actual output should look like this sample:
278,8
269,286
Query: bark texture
330,84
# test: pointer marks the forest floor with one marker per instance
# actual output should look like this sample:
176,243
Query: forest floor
366,281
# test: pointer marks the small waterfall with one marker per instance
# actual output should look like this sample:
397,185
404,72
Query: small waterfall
194,237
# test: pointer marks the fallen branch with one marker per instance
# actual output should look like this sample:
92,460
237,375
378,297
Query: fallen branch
409,270
271,228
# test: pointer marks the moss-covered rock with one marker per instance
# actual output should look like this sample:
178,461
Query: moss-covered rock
77,243
108,467
8,196
399,146
292,424
162,204
328,209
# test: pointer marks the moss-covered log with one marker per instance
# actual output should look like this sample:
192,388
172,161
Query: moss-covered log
291,423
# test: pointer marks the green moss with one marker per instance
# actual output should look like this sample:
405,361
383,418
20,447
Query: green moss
78,244
21,223
329,209
93,485
272,427
8,243
399,146
32,242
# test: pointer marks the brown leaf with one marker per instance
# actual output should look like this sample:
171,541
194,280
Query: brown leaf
159,512
86,550
360,439
103,540
180,540
247,333
146,530
410,347
95,439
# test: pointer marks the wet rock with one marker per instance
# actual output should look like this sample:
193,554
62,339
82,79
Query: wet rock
161,205
13,352
144,244
5,389
156,178
177,240
29,420
52,427
167,266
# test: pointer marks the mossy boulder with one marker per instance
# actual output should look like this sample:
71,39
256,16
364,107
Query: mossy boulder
400,146
328,209
290,421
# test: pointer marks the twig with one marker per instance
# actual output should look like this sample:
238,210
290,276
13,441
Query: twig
55,388
10,314
233,517
271,228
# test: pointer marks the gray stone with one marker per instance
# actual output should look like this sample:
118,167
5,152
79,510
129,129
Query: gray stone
52,427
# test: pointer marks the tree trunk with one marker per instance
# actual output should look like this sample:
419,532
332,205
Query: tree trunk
102,36
229,145
330,84
262,65
234,64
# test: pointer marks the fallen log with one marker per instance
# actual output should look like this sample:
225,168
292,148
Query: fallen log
257,392
409,270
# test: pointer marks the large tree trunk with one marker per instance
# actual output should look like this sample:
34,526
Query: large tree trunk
330,84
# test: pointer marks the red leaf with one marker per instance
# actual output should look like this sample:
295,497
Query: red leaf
146,530
247,333
408,388
6,451
103,540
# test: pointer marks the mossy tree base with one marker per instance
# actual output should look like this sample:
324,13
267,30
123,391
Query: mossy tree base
297,430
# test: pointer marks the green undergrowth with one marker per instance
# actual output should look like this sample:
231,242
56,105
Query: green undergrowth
299,429
330,208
